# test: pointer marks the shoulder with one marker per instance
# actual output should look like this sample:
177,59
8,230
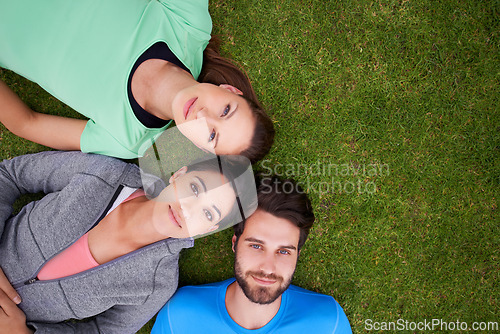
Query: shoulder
101,168
108,168
189,303
193,12
326,305
197,294
324,309
182,8
74,162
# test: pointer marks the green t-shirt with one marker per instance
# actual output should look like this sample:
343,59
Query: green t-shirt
82,52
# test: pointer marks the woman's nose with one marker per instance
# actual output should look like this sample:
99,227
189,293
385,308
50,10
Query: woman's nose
189,208
202,113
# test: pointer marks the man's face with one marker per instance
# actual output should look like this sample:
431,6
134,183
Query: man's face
266,256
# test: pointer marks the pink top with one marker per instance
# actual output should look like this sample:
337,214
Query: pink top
76,258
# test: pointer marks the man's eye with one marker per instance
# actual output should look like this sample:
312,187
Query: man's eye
212,136
226,111
194,189
284,252
208,214
255,246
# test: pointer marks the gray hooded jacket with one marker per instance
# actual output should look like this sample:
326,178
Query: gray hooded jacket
116,297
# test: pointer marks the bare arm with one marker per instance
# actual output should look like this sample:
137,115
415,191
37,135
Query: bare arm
53,131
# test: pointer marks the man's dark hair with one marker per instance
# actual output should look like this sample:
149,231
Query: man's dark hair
284,199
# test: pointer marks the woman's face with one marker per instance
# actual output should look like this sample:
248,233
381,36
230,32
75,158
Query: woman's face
193,203
214,118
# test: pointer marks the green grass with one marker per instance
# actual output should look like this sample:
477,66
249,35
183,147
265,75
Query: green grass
401,96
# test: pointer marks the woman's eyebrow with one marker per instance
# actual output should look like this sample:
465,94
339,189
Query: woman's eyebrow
218,211
202,184
216,140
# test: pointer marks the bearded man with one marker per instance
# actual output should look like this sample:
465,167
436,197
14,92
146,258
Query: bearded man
260,299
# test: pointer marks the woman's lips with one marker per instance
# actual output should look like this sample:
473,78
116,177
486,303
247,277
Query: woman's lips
188,107
173,217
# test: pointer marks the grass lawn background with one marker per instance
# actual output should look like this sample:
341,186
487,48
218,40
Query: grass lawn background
388,114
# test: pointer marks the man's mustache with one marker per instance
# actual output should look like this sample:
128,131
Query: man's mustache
261,274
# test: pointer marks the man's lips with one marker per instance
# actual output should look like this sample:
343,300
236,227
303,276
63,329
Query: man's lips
188,107
174,218
263,280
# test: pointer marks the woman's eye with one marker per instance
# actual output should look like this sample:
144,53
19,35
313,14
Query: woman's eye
212,136
226,111
208,214
194,189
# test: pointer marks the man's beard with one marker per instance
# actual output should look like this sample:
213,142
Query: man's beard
260,294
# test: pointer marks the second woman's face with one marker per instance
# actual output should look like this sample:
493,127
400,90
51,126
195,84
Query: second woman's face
194,203
215,118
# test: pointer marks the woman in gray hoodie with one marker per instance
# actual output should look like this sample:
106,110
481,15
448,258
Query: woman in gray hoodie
132,243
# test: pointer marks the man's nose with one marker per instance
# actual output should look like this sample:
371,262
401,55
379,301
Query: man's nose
268,264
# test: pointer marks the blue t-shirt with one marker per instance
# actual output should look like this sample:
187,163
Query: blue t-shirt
202,309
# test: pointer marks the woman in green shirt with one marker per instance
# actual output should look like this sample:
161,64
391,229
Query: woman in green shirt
131,67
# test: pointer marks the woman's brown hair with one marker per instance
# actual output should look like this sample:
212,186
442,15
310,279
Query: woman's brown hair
220,70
